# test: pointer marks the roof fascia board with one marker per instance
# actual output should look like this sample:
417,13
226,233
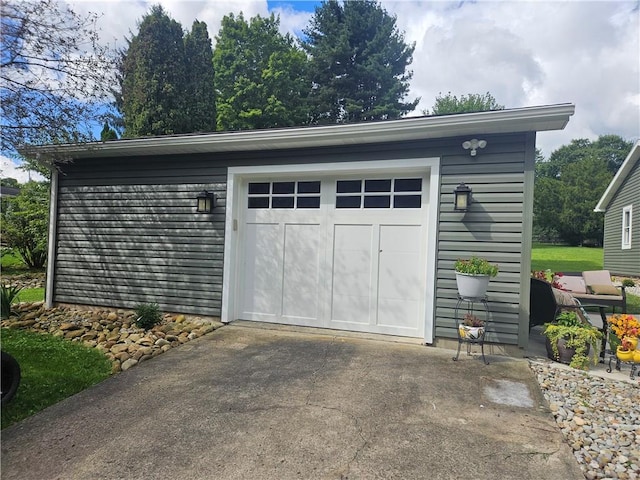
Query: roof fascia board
552,117
619,178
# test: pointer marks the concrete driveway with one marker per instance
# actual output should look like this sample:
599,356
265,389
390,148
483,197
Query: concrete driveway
255,403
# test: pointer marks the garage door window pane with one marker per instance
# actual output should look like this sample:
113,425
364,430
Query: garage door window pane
282,202
377,201
408,185
308,187
377,185
349,186
349,201
308,202
258,202
407,201
259,188
283,187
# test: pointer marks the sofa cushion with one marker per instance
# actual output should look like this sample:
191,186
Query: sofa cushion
572,283
603,289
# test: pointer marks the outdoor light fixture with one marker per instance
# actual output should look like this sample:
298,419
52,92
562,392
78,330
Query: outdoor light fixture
206,201
462,198
474,144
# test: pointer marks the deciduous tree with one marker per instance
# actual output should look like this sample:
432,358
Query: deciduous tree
473,102
25,223
569,185
358,64
54,75
259,75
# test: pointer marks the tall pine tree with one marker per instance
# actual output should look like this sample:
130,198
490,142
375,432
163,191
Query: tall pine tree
200,93
259,75
359,61
153,78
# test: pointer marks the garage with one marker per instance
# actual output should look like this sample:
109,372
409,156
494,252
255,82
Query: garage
336,246
349,227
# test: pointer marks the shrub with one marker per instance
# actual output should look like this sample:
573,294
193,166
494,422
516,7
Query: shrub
628,283
147,315
8,294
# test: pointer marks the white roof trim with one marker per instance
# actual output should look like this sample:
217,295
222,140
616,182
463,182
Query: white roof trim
619,178
551,117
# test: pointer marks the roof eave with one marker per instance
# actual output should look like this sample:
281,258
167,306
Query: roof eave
619,178
544,118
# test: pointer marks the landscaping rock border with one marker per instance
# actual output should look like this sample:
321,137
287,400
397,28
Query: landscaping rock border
113,332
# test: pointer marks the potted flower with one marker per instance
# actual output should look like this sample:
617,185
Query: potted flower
569,340
625,351
471,328
623,326
473,275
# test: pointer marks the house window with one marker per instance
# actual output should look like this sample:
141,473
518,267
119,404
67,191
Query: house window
284,195
626,227
379,193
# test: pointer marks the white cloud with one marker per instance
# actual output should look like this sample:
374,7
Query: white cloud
10,169
524,53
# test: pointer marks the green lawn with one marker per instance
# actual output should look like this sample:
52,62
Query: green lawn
31,295
52,369
566,259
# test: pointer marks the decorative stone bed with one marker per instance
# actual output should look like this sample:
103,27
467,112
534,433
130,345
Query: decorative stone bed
113,332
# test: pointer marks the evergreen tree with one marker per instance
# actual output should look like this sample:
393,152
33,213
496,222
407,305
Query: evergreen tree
108,133
358,67
153,78
259,75
200,93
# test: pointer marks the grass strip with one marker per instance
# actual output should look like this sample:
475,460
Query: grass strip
52,370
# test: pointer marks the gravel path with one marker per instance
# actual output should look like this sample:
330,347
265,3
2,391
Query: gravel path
599,418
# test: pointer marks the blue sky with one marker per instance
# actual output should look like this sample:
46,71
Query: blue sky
524,53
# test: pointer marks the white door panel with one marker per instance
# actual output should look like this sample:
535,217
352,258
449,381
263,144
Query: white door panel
400,276
302,255
262,286
351,274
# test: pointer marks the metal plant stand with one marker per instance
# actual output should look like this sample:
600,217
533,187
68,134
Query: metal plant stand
470,301
634,365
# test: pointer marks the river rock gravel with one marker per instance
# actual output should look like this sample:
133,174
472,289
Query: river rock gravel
113,332
599,418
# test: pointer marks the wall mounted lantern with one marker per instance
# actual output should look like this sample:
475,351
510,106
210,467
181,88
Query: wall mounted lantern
462,198
206,201
474,144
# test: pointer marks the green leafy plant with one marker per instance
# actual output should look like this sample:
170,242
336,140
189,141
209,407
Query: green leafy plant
578,335
8,294
628,283
147,315
476,266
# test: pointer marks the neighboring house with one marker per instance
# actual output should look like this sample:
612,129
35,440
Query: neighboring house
621,204
345,227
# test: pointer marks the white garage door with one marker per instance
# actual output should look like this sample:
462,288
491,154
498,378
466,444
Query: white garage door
345,252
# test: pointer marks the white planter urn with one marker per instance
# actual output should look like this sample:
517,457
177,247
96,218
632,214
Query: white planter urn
472,286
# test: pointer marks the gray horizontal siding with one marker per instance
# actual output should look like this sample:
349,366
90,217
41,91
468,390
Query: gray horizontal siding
616,260
495,228
127,233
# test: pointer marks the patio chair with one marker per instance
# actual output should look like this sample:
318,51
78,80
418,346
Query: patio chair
546,302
